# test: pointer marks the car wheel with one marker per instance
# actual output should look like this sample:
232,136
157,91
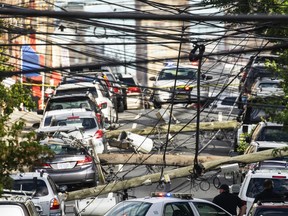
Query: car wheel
157,105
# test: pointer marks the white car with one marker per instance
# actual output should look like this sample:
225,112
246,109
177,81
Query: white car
99,91
253,184
162,204
267,86
134,98
185,86
80,119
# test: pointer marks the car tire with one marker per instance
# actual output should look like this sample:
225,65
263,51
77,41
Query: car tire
157,105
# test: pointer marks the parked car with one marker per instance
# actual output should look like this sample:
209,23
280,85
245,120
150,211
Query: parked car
11,205
267,86
253,184
226,103
44,192
279,208
99,92
79,100
83,122
161,204
134,99
185,89
255,60
71,165
117,90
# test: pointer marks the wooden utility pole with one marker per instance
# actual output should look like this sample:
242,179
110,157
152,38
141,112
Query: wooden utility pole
175,128
154,159
176,173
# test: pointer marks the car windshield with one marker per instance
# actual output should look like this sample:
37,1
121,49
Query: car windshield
128,81
31,185
256,186
229,101
68,104
183,73
130,208
279,134
60,149
86,123
269,85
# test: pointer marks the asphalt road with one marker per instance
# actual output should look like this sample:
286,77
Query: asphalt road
183,143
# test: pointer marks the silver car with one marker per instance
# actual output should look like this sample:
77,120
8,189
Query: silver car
44,192
71,165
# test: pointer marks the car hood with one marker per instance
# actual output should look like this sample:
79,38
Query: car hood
170,83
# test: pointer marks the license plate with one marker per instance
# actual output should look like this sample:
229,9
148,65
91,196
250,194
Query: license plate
66,165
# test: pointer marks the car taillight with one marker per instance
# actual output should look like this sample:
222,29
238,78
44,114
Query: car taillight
103,105
116,90
87,160
99,134
279,177
54,204
133,90
46,165
98,115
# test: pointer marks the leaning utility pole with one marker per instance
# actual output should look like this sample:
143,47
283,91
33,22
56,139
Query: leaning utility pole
176,173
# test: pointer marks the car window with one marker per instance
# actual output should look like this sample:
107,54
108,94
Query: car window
273,134
80,103
256,186
178,209
86,123
207,209
130,208
128,81
39,186
78,90
229,101
183,73
52,184
60,149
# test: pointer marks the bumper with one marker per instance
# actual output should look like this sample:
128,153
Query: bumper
179,97
81,175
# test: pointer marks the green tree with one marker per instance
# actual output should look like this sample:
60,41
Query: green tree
275,33
17,150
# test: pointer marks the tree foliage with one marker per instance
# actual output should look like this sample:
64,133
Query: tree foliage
17,150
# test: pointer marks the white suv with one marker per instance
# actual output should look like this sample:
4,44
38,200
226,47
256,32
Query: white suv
253,184
100,94
185,89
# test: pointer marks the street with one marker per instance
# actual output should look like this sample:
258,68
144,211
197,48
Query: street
182,144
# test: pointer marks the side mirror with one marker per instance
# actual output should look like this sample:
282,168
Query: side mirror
153,78
40,112
208,77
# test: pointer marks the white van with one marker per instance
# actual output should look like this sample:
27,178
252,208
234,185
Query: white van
253,184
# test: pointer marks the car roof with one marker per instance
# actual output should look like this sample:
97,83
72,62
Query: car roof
75,85
80,95
180,66
28,175
267,124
